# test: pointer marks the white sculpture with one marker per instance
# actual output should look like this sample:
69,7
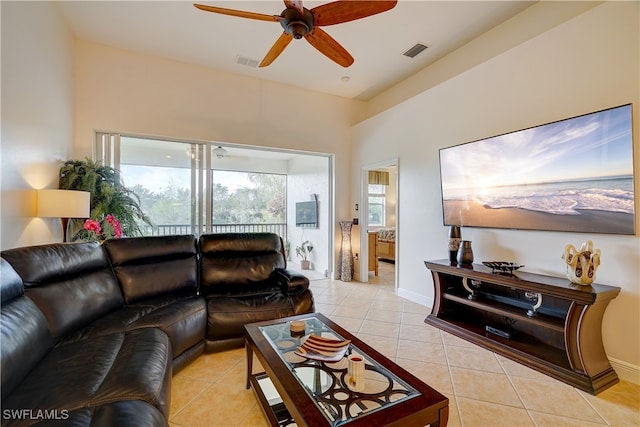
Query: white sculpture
582,264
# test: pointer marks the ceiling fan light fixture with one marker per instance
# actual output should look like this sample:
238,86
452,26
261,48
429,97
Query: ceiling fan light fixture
296,24
219,152
298,29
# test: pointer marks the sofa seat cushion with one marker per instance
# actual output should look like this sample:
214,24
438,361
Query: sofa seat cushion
99,371
183,319
227,316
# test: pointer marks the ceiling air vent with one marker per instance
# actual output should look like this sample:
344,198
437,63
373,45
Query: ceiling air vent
415,50
249,62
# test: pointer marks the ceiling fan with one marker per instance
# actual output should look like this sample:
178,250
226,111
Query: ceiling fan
299,22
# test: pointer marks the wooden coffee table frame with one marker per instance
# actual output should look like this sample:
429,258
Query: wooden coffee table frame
429,408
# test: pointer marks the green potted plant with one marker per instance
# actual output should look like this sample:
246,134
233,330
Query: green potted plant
110,200
303,252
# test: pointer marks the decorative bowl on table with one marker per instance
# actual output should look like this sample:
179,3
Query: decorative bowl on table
502,267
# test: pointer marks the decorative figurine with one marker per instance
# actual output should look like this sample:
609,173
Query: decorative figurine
582,264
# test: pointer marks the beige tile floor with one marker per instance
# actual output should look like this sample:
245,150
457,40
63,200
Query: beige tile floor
484,389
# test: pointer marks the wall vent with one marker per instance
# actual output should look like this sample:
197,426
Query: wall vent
414,50
249,62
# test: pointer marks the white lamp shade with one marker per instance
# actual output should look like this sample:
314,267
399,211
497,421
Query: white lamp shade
63,204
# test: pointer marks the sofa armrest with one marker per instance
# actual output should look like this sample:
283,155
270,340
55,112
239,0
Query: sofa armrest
290,283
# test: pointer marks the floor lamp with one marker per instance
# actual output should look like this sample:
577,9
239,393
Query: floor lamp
345,261
63,204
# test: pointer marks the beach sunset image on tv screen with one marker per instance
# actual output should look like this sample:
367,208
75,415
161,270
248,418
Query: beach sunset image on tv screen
570,175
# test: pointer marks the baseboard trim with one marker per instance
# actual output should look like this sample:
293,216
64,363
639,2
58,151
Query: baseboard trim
626,371
414,297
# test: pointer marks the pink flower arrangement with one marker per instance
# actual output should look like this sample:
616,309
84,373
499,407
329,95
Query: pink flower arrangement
93,226
109,228
115,225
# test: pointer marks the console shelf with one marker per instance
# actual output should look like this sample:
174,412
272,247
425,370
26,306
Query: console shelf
507,311
544,322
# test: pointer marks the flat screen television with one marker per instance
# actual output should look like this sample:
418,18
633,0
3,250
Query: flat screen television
572,175
307,214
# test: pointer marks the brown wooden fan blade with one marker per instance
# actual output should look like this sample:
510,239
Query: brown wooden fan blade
239,13
322,41
348,10
295,4
277,48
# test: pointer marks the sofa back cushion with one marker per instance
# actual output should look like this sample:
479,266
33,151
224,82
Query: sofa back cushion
71,283
24,333
152,266
239,264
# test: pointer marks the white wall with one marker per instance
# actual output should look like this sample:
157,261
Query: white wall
536,19
37,116
585,64
310,175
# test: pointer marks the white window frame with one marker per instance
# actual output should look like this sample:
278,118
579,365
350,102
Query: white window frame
377,191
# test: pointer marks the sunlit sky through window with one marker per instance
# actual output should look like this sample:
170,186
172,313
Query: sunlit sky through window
157,179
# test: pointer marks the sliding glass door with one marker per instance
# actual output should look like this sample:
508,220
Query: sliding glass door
167,176
197,187
170,179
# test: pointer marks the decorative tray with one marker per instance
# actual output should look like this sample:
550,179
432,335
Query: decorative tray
502,266
323,349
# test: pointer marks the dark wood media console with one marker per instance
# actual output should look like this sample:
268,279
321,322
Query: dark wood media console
544,322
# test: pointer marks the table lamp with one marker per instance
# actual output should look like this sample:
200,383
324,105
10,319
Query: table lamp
63,204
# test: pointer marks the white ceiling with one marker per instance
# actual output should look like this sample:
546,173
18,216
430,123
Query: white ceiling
176,30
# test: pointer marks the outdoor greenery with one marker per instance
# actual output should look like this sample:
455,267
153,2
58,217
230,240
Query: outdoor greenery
263,203
108,195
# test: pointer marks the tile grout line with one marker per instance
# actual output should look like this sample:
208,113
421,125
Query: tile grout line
524,405
453,384
179,411
593,407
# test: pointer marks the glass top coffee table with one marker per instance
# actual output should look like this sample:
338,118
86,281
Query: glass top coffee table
297,390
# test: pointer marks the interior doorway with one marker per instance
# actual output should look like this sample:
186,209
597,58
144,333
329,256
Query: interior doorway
379,195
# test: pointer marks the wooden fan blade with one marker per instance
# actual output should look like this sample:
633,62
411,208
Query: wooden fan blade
322,41
277,48
239,13
295,4
348,10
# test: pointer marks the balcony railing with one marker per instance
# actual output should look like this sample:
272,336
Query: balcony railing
178,229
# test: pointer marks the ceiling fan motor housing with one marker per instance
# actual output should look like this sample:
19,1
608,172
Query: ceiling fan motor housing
296,24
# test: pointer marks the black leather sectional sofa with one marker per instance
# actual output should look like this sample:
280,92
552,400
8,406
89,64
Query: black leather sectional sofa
91,334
